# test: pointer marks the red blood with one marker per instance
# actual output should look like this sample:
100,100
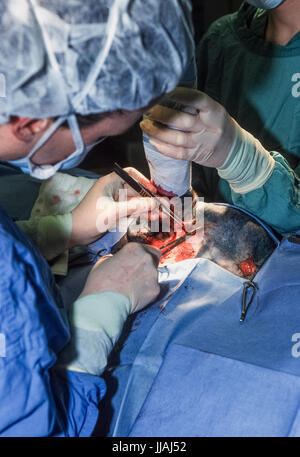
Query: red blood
185,250
248,267
56,199
76,192
162,191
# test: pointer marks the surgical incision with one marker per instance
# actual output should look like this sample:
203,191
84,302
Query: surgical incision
227,237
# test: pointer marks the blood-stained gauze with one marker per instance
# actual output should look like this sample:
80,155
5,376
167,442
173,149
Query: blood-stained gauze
172,177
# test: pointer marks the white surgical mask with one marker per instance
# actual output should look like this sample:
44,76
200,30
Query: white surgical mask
265,4
47,171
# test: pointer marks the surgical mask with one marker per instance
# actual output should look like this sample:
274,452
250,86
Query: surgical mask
47,171
265,4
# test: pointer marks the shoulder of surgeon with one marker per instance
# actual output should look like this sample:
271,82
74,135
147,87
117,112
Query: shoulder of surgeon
225,25
220,36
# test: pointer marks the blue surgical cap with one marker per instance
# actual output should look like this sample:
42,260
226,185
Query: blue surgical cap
64,57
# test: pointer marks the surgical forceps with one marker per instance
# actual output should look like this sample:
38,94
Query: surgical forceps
144,192
173,244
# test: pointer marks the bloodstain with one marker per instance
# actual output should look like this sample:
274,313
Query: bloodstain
163,192
188,249
76,192
56,199
162,309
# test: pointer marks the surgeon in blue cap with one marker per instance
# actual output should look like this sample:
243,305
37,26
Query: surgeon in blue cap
248,153
73,73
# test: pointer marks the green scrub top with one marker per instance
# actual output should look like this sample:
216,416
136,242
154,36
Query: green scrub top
258,82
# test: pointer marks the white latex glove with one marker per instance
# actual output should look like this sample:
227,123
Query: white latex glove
132,272
100,210
211,138
205,138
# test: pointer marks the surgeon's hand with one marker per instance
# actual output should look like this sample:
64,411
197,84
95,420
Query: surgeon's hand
131,272
101,209
207,137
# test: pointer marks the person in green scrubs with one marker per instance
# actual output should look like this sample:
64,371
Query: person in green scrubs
257,80
249,62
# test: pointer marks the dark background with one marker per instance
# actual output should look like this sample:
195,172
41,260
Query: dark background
127,149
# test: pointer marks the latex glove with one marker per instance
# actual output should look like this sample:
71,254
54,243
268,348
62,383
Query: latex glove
101,210
132,271
205,138
211,138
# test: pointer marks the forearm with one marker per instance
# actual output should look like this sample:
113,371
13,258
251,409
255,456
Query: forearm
276,201
51,234
51,224
96,322
248,165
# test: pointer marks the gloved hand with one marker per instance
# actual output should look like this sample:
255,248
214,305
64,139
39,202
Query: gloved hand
132,271
100,210
205,138
211,138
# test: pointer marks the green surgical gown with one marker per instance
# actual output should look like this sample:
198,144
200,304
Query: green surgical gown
258,82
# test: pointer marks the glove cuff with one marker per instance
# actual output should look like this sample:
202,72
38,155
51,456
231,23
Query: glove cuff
96,322
248,165
106,309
